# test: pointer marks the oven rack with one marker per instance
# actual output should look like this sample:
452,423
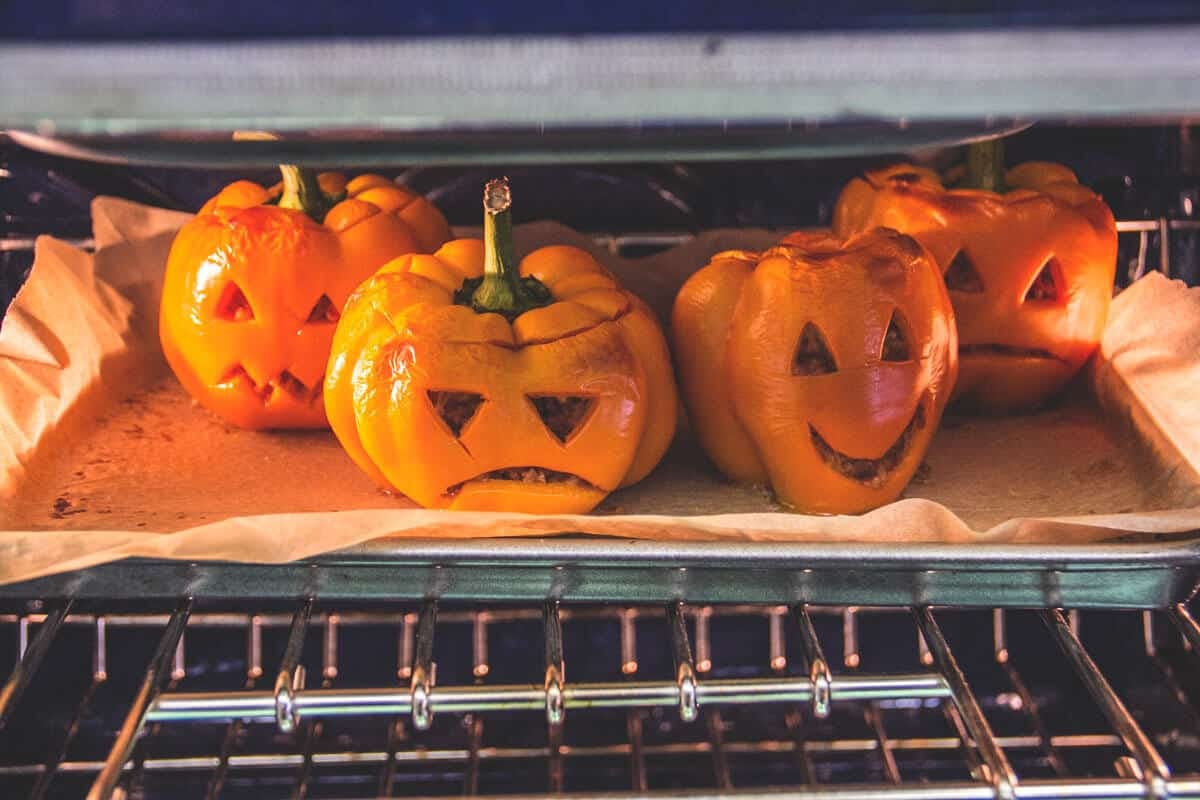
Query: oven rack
799,679
623,243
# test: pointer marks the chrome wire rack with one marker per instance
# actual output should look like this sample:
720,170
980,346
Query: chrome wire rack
659,699
1161,229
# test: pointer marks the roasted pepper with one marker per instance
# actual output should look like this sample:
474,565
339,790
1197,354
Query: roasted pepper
819,367
1029,263
255,282
465,381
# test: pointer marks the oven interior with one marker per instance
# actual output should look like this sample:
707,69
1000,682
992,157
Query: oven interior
195,696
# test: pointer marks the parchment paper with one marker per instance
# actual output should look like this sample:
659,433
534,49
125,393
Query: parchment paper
103,456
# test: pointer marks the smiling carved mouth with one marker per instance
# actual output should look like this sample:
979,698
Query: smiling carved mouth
873,472
284,382
1005,350
526,475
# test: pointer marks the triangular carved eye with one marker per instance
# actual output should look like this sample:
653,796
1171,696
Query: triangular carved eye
562,414
812,354
233,305
895,341
455,408
1045,286
323,312
961,275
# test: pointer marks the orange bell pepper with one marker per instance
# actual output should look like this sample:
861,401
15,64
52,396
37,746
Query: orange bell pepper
1030,270
255,282
466,381
819,367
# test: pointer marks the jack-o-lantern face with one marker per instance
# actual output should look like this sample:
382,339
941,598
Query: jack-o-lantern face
547,412
253,292
1030,272
820,367
478,420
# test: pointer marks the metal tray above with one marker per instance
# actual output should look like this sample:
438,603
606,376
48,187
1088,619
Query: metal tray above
522,144
1109,575
495,83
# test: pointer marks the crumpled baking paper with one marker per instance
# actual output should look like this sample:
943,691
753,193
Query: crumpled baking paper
81,334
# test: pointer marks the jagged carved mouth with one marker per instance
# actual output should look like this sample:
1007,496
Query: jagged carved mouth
1005,350
285,383
531,476
872,472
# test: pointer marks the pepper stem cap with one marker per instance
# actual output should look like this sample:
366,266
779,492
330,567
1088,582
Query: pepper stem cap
502,290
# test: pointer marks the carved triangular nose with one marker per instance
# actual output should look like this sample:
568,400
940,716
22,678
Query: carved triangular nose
813,356
233,305
1045,286
455,409
562,414
324,311
961,275
895,341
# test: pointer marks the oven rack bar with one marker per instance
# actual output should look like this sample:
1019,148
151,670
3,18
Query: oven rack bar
289,701
348,757
1036,789
1141,771
406,624
324,703
480,620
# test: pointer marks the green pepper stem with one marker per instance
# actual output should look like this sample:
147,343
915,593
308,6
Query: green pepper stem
985,165
502,289
302,192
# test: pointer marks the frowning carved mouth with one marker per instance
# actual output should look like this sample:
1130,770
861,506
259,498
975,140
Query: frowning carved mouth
532,476
872,472
1005,350
285,382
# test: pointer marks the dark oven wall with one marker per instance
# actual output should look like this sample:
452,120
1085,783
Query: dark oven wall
126,19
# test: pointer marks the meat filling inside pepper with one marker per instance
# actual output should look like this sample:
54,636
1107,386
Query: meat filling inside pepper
871,471
528,475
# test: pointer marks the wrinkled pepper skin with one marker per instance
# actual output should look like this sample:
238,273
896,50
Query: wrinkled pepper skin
820,367
252,292
1030,271
403,342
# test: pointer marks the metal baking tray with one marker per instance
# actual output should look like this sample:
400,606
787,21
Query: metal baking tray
628,143
1108,575
1128,570
440,83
